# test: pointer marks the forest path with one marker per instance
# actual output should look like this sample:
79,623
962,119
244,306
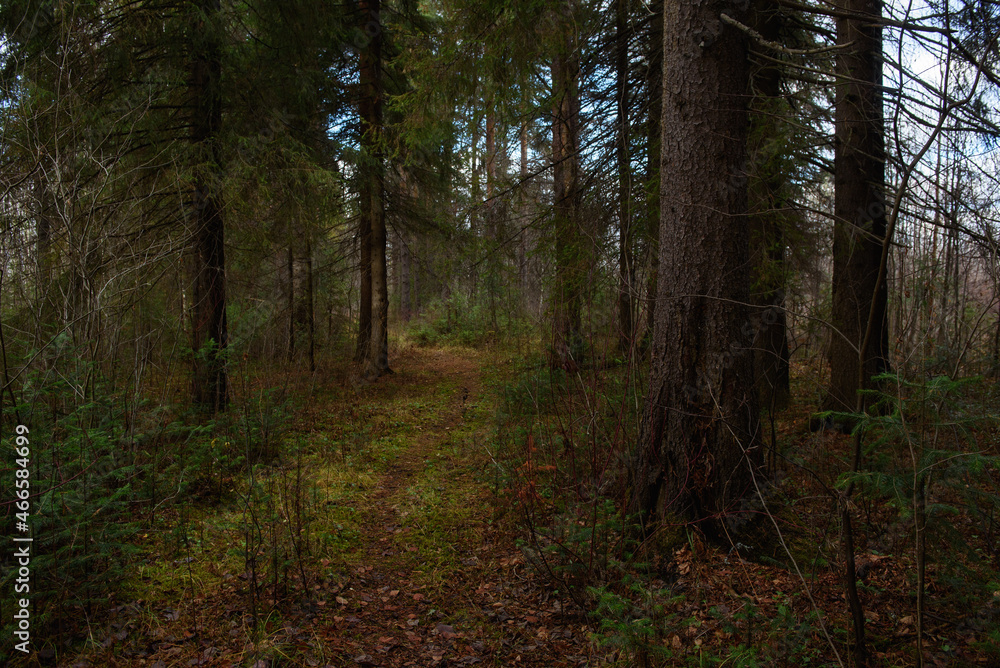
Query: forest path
378,536
434,581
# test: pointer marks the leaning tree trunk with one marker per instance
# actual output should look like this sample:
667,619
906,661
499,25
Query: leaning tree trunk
567,345
209,335
859,208
698,440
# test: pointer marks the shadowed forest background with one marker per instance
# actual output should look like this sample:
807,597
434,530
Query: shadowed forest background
538,332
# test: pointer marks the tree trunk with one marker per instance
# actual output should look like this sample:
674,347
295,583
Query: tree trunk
567,346
522,246
626,333
310,305
859,208
373,339
290,299
698,439
365,267
769,214
654,88
377,360
405,305
209,335
300,299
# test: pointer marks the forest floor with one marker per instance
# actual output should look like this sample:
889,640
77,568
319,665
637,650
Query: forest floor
379,532
413,566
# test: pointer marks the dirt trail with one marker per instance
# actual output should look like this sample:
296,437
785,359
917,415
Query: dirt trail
422,571
408,606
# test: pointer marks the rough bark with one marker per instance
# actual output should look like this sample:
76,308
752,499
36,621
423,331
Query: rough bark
209,333
698,440
859,208
373,333
290,300
405,304
301,324
770,213
654,88
308,305
567,345
376,362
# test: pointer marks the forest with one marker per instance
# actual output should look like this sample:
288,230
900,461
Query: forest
500,332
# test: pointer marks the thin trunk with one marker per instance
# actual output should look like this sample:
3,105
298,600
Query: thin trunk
416,269
290,297
310,305
522,246
405,305
568,345
930,289
769,208
859,207
209,333
491,155
377,360
365,269
859,348
920,529
654,88
491,217
373,340
477,197
626,333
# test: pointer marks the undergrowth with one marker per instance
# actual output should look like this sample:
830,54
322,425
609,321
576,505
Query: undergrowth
928,495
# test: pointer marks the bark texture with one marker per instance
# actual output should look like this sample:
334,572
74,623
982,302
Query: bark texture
859,208
698,441
626,287
373,332
654,86
209,332
568,344
770,214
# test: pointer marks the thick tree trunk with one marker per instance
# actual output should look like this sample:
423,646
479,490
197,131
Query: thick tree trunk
209,334
626,328
859,208
373,333
568,344
698,445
